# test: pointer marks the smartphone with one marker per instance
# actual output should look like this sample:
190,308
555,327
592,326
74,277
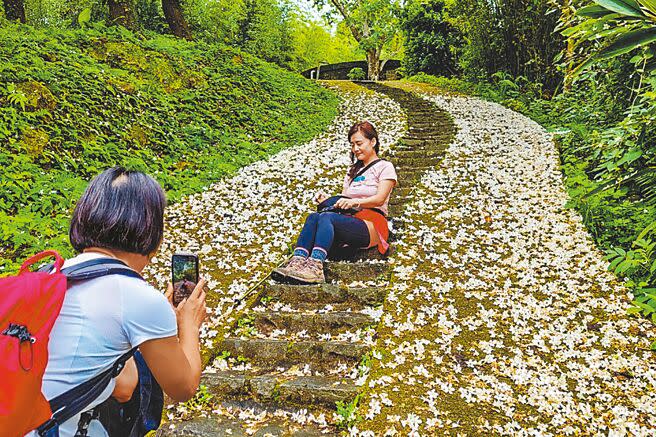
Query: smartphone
184,267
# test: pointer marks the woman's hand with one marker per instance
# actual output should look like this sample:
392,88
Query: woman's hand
320,197
191,312
345,203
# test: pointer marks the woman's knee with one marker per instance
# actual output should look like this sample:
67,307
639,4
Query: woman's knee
313,218
327,217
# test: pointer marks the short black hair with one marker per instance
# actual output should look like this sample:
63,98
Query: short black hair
120,210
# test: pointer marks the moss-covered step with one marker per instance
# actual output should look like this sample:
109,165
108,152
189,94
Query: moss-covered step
280,353
334,322
280,388
347,272
308,296
221,426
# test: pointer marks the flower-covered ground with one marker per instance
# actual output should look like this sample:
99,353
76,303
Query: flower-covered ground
243,226
502,317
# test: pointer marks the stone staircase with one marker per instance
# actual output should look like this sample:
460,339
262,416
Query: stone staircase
296,352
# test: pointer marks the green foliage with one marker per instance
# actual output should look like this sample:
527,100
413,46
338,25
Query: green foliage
246,326
373,24
347,413
277,31
356,73
515,37
622,156
73,103
201,400
430,40
314,44
613,28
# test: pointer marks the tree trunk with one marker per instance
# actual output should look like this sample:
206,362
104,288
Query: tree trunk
373,64
175,18
14,10
121,12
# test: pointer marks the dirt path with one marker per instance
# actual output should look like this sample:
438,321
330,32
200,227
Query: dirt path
502,318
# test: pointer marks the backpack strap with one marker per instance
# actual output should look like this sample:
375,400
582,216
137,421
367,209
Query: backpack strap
95,268
361,172
75,400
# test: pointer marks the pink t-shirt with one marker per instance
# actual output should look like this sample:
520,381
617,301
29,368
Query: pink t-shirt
366,184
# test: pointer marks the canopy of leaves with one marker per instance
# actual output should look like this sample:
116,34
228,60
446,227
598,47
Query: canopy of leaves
430,40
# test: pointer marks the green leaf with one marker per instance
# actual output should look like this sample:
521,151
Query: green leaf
647,309
653,346
650,5
633,310
593,11
630,156
628,42
84,17
624,7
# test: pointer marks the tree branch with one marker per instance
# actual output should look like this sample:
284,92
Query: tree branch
342,10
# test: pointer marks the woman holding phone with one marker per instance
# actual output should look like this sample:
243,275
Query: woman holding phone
358,217
120,216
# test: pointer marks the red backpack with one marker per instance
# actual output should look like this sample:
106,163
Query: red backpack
30,304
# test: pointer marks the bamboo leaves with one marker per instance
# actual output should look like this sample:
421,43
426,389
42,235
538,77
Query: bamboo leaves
629,8
629,23
628,42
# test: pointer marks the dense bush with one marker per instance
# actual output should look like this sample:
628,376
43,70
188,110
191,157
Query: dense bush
73,103
356,73
429,39
477,39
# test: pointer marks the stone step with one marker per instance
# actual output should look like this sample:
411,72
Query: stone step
420,161
405,154
280,389
354,254
411,169
221,426
277,353
333,322
438,137
347,272
324,294
401,193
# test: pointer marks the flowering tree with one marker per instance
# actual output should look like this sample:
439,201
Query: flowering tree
373,24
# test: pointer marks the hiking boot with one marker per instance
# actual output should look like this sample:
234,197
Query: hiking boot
311,272
294,264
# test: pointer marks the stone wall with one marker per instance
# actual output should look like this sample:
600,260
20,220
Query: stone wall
340,71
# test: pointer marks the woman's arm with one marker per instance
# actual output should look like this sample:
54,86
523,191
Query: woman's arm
175,361
384,189
126,382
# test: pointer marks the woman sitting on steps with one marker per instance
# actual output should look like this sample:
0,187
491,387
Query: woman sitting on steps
367,188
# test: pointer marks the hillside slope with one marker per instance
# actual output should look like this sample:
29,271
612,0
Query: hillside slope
73,103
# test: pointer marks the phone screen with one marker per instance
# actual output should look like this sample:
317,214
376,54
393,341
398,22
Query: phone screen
185,276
